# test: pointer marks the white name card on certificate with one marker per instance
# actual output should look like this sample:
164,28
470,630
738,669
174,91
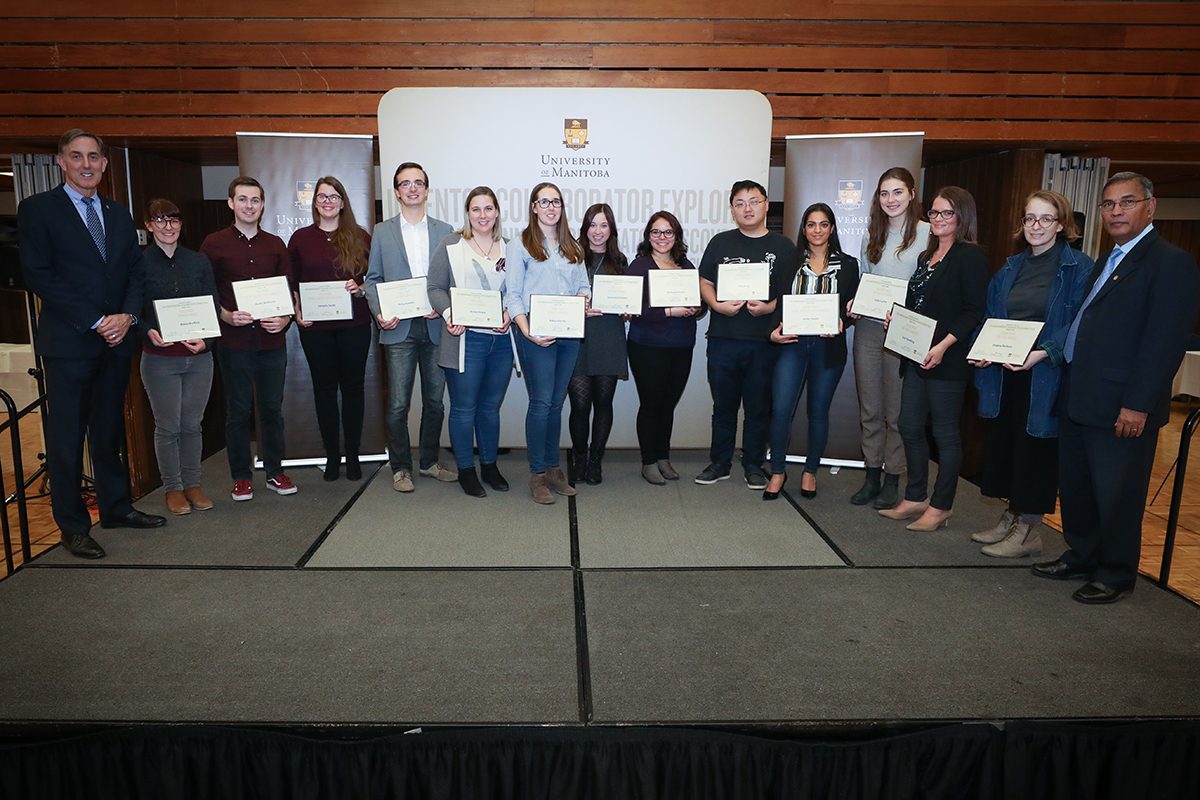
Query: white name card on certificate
617,294
556,316
322,301
475,308
264,297
877,294
744,281
810,314
910,334
1005,341
182,319
674,287
404,299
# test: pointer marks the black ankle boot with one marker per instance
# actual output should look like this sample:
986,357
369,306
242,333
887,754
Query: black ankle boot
469,482
870,487
491,474
333,467
889,493
592,474
577,465
353,467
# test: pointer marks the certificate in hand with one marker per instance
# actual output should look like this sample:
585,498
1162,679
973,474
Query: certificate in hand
475,308
556,315
321,301
744,281
877,294
910,334
810,314
264,297
617,294
184,318
674,287
1005,341
404,299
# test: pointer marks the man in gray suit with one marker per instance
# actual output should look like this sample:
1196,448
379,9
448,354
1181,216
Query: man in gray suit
400,249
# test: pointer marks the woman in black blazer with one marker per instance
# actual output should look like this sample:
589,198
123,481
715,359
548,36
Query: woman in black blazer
950,286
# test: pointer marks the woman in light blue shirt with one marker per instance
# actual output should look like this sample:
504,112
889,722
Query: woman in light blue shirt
545,259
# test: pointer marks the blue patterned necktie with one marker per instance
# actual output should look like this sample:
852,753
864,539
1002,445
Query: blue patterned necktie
1109,268
94,227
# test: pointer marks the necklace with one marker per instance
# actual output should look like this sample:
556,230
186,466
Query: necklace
478,249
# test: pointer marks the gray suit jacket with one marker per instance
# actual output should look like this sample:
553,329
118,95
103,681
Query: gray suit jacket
389,262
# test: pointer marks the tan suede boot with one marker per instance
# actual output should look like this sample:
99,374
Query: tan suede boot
558,482
998,532
1023,540
539,489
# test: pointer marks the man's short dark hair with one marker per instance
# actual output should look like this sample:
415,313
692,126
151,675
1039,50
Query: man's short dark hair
409,165
741,186
245,180
65,140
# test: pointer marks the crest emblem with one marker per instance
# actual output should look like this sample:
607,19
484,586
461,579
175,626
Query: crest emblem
575,133
850,195
304,194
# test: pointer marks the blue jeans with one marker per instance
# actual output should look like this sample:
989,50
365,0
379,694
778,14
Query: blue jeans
797,365
403,361
547,370
739,374
476,394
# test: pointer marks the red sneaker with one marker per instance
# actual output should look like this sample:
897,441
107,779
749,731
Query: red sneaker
242,490
281,484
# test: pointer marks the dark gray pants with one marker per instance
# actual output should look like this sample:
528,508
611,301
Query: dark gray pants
178,388
941,403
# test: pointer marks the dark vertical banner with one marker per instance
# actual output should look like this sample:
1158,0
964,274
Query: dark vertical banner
288,166
841,170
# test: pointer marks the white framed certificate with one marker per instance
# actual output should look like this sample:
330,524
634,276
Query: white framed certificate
264,297
404,299
181,319
910,334
558,316
322,301
744,281
810,314
877,294
617,294
674,287
475,308
1005,341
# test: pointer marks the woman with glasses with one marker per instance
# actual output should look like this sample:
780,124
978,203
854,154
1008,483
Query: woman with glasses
477,361
602,359
660,346
815,361
177,374
335,248
949,286
895,237
547,260
1045,282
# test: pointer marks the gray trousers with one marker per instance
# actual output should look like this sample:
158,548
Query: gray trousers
877,376
178,388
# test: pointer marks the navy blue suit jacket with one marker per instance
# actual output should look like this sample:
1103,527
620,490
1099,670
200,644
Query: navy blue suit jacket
1133,334
77,287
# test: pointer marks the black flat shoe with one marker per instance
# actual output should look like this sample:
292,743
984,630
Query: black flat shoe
1058,570
1097,593
492,477
82,546
134,519
769,495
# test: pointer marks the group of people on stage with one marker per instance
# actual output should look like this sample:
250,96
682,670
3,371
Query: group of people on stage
1080,414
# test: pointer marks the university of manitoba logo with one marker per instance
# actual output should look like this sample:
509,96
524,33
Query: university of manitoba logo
849,195
575,133
304,194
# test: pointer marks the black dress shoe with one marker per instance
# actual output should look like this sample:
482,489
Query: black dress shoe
769,495
1059,571
1097,593
134,519
82,546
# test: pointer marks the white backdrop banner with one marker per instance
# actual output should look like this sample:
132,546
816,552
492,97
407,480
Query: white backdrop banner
639,150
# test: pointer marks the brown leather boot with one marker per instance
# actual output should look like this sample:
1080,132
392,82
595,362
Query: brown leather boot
177,504
195,495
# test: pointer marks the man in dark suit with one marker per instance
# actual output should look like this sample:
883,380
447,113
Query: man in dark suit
80,255
1123,350
400,249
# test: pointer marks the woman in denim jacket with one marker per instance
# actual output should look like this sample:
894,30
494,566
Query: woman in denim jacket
1045,282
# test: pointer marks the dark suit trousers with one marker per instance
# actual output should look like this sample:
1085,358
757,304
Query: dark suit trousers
86,398
1102,491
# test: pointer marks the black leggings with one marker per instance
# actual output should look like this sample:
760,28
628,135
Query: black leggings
661,374
591,398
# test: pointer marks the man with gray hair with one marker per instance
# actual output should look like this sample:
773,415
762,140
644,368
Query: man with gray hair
1122,349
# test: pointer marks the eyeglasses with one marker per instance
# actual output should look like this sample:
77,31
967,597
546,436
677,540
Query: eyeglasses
167,222
947,215
329,198
753,203
662,233
1125,203
548,202
418,184
1045,220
